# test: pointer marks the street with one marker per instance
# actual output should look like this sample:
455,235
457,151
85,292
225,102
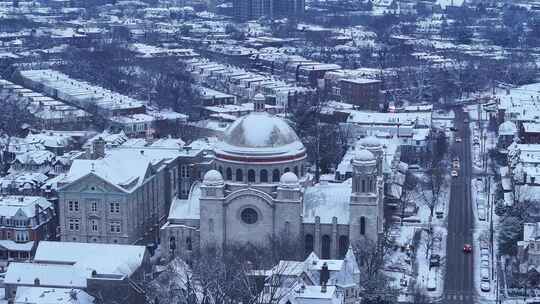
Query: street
459,278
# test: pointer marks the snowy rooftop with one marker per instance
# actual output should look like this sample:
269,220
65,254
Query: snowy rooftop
111,259
125,170
327,201
44,295
22,206
48,275
366,117
260,133
81,91
187,209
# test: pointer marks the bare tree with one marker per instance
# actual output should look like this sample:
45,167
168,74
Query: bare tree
373,258
433,188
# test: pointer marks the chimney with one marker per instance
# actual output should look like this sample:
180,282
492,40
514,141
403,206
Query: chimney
98,148
325,274
323,289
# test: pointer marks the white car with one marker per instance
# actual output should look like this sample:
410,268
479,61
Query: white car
484,274
458,139
484,286
455,164
454,173
482,213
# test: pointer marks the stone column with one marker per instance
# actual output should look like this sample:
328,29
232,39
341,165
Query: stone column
317,236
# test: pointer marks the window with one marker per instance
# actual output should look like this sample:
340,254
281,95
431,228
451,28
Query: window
363,186
115,207
308,243
73,206
263,176
188,244
93,206
115,227
229,174
249,216
94,225
239,175
362,225
211,225
287,170
326,244
172,243
275,176
295,170
74,224
251,176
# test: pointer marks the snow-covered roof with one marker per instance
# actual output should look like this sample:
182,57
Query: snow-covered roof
44,295
22,206
47,274
327,201
186,209
113,259
260,133
124,170
14,246
35,157
507,128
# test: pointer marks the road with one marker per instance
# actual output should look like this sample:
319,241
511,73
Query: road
459,280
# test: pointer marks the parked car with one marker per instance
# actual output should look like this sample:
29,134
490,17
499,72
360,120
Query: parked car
484,286
467,248
482,213
414,167
435,260
454,173
458,139
484,274
455,164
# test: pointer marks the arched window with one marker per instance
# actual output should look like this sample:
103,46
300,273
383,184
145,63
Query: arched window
229,174
363,186
36,281
326,241
308,243
239,175
343,246
221,170
264,176
363,225
295,170
286,170
251,176
188,244
172,243
370,185
275,175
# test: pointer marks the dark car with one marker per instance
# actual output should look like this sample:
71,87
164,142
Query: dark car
435,260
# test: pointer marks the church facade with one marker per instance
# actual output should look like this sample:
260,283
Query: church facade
259,188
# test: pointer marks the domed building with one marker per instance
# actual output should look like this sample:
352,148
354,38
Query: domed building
258,188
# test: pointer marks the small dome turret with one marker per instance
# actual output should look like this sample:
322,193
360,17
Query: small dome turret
213,178
289,178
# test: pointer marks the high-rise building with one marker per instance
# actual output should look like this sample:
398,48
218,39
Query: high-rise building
254,9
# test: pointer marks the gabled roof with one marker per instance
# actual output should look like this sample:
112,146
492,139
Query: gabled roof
126,171
112,259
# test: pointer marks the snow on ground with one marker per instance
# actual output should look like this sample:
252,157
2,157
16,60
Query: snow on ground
430,281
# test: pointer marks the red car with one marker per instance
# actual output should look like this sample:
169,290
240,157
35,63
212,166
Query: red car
467,248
